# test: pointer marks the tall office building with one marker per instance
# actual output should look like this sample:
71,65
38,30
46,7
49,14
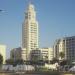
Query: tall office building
67,46
30,31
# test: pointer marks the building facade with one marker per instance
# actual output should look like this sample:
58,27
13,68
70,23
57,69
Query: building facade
23,54
47,53
3,52
30,31
67,46
36,55
15,53
18,53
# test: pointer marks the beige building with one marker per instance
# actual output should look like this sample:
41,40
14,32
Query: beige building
30,31
23,54
67,46
3,52
47,53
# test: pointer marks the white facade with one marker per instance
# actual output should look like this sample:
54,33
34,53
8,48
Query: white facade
30,31
47,53
23,54
3,52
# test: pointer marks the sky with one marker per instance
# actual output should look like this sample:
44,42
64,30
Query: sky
56,20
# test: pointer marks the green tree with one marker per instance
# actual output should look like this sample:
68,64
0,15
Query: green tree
63,62
61,54
46,59
14,62
19,61
54,60
1,59
9,61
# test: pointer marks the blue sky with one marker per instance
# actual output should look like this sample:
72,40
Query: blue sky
56,19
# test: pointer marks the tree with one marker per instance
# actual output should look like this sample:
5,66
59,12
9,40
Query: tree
19,61
1,59
14,62
63,62
61,54
54,60
9,61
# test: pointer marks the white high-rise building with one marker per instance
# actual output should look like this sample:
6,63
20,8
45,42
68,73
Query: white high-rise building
30,31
